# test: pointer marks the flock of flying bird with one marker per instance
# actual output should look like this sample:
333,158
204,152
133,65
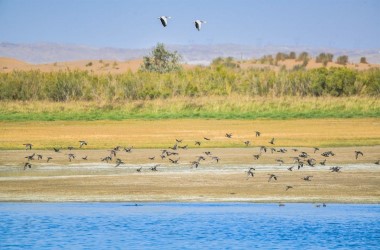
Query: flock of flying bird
164,21
172,155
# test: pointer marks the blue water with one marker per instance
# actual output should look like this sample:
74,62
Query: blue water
188,226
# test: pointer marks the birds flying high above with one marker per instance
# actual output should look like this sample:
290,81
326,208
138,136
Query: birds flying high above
198,24
164,20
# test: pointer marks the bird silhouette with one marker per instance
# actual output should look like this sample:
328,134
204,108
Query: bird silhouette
164,20
39,157
307,178
280,161
118,162
258,133
206,138
194,164
257,156
154,168
151,158
82,143
272,176
288,187
335,169
197,143
315,150
216,159
128,150
377,162
250,172
357,153
174,161
71,156
290,168
27,165
49,158
28,146
272,141
84,158
30,157
139,169
178,140
57,150
228,135
70,148
323,163
198,24
247,143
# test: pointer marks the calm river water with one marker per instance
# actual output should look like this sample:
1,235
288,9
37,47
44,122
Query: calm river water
188,226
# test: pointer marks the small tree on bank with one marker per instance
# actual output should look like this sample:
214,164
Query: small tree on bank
343,60
161,60
363,60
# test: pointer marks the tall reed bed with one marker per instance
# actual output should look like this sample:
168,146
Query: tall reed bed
198,82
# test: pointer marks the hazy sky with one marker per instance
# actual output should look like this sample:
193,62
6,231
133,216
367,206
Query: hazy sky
133,23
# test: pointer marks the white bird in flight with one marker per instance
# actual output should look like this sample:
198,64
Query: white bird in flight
198,24
164,20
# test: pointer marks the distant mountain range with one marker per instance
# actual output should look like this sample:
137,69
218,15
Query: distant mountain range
193,54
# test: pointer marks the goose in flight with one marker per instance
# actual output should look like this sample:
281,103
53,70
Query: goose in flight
250,172
357,153
288,187
28,146
198,24
164,20
272,176
27,165
82,143
307,178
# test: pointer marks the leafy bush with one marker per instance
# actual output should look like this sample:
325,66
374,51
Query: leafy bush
161,60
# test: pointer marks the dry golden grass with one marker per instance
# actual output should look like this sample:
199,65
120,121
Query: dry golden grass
162,133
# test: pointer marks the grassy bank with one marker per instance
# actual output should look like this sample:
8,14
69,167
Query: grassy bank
215,107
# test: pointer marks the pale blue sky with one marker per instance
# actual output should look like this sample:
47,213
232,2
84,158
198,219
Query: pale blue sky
351,24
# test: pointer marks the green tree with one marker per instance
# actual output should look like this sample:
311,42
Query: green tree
304,56
161,60
343,60
292,55
363,60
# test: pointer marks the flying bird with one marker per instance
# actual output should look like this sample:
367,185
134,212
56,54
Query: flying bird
82,143
307,178
164,20
288,187
272,176
28,146
198,24
272,141
357,153
27,165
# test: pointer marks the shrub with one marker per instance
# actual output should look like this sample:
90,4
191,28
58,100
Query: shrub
161,60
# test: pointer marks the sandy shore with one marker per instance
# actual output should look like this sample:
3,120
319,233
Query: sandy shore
94,180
